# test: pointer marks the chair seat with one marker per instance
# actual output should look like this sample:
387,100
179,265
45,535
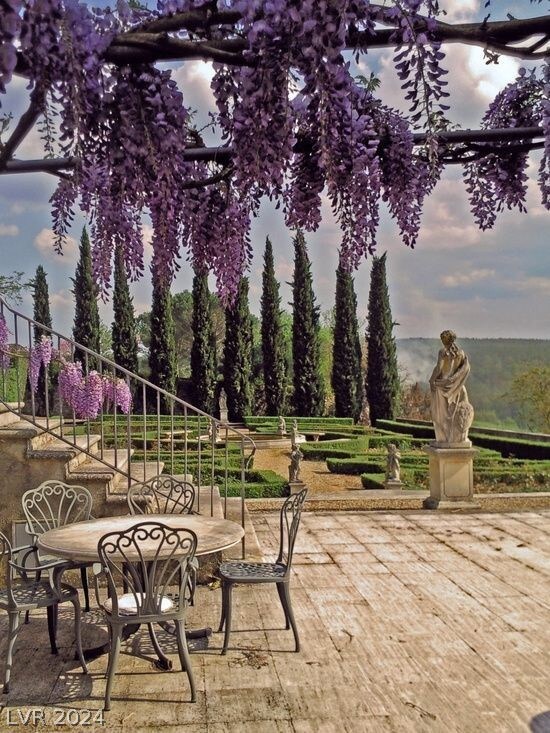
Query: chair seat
35,594
252,571
127,604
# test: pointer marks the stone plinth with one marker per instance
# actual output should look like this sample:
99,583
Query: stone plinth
223,416
451,477
293,487
393,484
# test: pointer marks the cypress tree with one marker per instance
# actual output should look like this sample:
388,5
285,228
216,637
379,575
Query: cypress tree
86,316
308,383
125,348
273,344
162,351
41,314
203,349
237,358
347,379
382,385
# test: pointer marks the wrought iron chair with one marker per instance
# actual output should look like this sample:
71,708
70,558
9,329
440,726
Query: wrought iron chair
23,593
150,558
54,504
165,494
239,572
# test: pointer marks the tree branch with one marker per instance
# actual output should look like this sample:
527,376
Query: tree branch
24,124
223,154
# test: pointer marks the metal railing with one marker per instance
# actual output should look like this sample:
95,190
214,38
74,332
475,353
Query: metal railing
161,428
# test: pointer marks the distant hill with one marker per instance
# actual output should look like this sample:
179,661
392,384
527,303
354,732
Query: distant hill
495,362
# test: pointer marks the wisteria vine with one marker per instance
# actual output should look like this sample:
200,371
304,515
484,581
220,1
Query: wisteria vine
296,119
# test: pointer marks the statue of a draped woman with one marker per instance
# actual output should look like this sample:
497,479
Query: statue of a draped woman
452,414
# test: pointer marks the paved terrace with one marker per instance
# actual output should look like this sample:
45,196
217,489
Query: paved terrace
409,622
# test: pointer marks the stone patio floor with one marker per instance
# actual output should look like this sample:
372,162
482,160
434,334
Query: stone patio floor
408,621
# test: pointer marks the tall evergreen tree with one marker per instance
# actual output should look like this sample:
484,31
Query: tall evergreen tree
308,384
203,349
124,341
347,379
86,329
237,358
273,343
382,385
41,314
162,351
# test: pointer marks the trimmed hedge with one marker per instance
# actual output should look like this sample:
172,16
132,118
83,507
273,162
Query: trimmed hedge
354,466
252,421
13,380
334,449
372,481
518,447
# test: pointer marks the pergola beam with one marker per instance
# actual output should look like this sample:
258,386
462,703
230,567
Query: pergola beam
526,137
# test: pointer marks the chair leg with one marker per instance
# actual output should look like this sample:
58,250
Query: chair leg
116,635
52,626
12,635
163,659
222,618
281,593
85,588
227,589
285,599
78,634
27,619
185,658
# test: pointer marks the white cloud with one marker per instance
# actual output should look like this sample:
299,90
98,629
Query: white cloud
61,299
9,230
460,11
466,278
44,243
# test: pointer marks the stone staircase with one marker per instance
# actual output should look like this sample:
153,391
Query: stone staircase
32,452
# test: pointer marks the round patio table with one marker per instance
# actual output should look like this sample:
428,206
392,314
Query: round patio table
78,542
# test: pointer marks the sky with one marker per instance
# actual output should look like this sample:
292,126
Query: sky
480,284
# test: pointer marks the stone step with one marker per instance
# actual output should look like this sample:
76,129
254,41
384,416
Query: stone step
9,413
93,468
29,429
70,449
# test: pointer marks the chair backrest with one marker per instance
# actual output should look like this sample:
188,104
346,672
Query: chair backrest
55,504
149,558
162,494
291,512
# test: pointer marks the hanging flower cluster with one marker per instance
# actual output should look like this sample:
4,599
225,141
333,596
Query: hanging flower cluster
4,336
498,181
40,354
85,394
296,119
117,392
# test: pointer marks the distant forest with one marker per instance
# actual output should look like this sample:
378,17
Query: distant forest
494,362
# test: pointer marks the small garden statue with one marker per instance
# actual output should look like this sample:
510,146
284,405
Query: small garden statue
393,469
282,425
294,468
294,433
223,406
213,431
452,413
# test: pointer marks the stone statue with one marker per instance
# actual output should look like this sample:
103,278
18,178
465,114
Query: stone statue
223,406
452,414
294,468
393,469
294,433
295,425
282,425
213,435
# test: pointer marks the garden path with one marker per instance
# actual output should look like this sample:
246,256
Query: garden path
314,474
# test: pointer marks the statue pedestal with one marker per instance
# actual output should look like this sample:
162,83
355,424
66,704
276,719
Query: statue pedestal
223,417
394,484
451,477
293,487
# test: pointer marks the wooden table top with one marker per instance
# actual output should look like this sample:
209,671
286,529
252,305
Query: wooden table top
78,541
